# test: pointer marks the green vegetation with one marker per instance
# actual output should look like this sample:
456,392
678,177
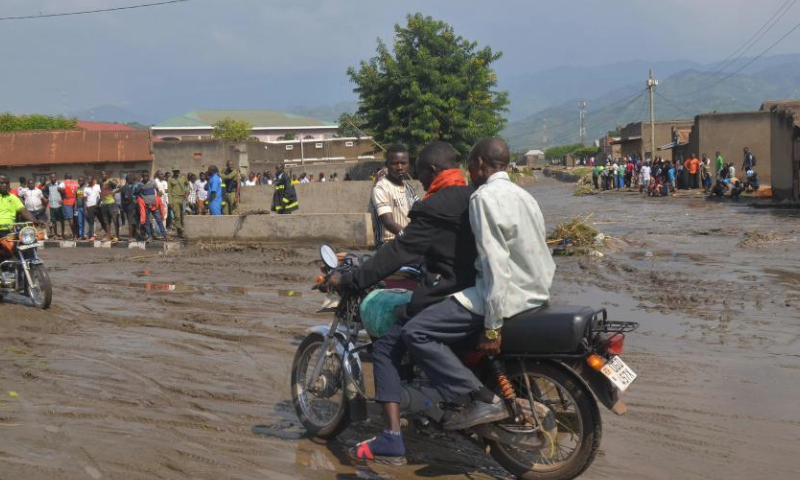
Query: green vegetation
13,123
434,85
561,151
232,130
288,136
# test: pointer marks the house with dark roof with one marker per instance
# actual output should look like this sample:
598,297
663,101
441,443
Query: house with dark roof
268,125
37,153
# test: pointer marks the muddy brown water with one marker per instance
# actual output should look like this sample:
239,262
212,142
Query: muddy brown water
153,366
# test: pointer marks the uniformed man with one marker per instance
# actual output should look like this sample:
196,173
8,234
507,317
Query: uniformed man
284,200
231,188
178,189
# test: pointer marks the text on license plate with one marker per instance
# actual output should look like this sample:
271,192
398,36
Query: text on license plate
620,374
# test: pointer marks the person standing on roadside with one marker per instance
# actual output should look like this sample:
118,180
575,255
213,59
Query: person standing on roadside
201,192
80,208
68,200
91,197
392,197
54,191
284,199
749,162
231,178
215,192
178,189
34,201
150,207
719,164
596,176
191,198
161,186
693,166
109,210
130,208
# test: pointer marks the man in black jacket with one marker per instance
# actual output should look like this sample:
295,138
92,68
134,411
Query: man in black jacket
439,232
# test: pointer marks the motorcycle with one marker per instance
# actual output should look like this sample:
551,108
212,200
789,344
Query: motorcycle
557,364
22,271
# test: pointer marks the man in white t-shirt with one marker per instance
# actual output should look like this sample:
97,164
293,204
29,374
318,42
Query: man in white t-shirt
392,197
91,203
201,193
646,176
34,201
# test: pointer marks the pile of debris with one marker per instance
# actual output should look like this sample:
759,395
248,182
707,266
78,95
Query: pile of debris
576,237
585,186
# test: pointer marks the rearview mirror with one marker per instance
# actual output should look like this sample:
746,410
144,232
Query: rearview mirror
328,256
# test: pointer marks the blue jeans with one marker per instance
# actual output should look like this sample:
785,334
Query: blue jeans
156,214
81,213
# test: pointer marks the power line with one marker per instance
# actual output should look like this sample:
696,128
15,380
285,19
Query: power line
792,30
86,12
558,139
591,115
674,104
750,42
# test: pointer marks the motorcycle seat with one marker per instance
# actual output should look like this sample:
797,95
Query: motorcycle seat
549,329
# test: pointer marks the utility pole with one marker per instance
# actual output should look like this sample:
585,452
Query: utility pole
651,87
582,114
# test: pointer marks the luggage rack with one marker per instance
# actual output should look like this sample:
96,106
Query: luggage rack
604,325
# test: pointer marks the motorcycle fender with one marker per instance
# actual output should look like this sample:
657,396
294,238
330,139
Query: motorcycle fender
604,391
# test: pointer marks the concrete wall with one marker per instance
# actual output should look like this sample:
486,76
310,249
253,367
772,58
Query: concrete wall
115,170
328,197
192,155
346,229
729,133
785,162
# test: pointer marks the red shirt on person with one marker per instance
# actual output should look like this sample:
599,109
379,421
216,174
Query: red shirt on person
70,188
692,165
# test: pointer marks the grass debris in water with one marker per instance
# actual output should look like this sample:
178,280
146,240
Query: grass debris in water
578,235
585,186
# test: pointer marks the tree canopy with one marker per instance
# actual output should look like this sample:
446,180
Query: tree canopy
350,125
560,151
232,130
434,85
12,123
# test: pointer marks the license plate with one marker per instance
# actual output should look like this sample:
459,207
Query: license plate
620,374
32,245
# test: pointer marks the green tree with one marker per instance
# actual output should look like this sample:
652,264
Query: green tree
232,130
586,152
288,136
12,123
434,85
560,151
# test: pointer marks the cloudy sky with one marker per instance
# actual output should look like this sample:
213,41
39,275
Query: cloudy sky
280,53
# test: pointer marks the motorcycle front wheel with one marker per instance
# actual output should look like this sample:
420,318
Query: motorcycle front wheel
40,291
320,403
577,418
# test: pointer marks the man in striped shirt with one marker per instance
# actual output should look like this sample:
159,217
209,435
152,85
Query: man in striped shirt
392,196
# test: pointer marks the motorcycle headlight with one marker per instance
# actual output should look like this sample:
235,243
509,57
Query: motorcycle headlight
27,236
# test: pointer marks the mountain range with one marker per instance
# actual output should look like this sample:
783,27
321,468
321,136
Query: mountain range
550,97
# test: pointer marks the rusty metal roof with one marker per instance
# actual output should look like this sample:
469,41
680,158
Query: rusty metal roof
74,146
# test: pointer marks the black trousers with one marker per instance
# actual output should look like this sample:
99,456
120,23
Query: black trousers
428,337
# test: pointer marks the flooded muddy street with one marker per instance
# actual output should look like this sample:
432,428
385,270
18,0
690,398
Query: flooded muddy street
177,365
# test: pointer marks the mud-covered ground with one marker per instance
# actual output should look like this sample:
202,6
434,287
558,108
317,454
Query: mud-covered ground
151,366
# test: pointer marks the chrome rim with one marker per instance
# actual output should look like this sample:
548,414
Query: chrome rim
323,399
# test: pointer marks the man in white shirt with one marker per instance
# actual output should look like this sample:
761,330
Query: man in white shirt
646,176
201,193
34,201
392,197
515,268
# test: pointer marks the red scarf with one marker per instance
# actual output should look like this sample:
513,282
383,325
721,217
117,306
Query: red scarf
447,178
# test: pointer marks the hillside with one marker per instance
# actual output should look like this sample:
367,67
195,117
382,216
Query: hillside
673,100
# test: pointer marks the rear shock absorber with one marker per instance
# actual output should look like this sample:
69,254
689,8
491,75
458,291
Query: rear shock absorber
506,389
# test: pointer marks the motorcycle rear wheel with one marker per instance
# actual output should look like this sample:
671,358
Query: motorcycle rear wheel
321,416
41,292
577,418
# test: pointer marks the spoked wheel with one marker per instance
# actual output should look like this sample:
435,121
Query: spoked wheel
320,403
40,290
572,449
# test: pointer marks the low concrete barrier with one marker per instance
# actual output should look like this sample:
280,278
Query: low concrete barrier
318,197
350,229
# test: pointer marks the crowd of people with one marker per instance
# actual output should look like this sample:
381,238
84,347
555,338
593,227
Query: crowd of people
150,208
662,177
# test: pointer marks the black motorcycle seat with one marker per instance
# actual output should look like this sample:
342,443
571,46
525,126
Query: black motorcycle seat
549,329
